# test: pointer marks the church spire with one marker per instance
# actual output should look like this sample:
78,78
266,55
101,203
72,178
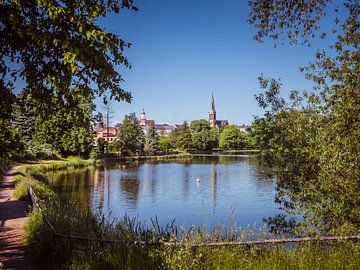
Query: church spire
212,112
212,102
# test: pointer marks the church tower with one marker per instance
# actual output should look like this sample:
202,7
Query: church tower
212,113
143,118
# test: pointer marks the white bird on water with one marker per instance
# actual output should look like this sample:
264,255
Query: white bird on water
198,180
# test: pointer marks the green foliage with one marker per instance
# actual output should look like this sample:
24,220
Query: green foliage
199,125
297,21
262,132
183,139
165,144
23,117
9,137
231,138
93,154
9,140
214,138
130,137
100,146
151,140
203,137
52,45
249,140
36,150
315,139
66,125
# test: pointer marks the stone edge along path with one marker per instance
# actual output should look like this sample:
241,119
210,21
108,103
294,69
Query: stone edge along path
13,216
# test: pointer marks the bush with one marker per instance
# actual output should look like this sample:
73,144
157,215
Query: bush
36,150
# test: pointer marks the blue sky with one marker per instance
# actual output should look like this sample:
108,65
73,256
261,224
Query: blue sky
184,50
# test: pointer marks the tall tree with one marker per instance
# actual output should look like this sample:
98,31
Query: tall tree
130,138
151,140
9,137
184,139
200,133
317,141
24,117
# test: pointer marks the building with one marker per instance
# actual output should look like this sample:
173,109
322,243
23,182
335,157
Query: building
243,128
102,131
212,116
162,129
143,122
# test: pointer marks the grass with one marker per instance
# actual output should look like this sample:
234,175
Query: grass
63,253
33,174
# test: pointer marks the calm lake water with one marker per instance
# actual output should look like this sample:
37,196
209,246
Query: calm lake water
230,188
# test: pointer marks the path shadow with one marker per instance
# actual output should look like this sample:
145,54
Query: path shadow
12,210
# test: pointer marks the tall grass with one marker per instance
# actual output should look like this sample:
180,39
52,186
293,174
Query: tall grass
68,218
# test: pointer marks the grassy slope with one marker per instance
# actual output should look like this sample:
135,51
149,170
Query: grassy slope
33,174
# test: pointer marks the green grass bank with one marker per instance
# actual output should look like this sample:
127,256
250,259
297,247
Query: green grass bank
33,174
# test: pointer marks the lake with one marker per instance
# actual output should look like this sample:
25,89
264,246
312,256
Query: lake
204,190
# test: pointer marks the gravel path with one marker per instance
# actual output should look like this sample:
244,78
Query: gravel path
12,219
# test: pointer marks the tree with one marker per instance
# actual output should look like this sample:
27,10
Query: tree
151,140
297,21
174,136
9,140
130,138
214,138
56,45
199,125
165,144
200,132
231,138
184,138
23,117
66,127
9,137
100,146
316,143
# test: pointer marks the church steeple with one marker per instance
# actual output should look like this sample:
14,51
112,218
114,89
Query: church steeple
212,107
212,112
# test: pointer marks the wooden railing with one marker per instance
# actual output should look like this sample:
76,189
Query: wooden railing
35,202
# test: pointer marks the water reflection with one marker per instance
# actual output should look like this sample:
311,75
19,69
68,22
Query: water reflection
130,187
169,189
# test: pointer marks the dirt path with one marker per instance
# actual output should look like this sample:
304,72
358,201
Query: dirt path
12,219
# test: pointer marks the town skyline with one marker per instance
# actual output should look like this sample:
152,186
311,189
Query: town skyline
183,50
113,121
